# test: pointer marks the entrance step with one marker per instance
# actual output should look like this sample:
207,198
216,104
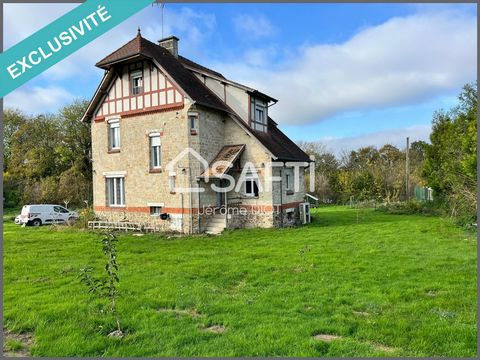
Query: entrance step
216,224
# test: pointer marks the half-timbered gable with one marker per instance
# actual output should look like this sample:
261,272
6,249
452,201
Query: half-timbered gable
136,88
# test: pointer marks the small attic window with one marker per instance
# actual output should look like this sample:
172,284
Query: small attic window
136,82
258,114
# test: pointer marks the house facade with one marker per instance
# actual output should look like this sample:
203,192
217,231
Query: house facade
170,137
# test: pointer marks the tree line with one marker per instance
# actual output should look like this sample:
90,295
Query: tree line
447,164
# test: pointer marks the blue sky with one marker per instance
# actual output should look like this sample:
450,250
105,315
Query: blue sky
347,75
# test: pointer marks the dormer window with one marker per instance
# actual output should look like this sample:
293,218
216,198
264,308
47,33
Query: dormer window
136,82
258,115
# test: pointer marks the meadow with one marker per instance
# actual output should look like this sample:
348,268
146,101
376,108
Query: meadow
353,283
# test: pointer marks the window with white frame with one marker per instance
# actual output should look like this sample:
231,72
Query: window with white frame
258,114
251,185
155,210
136,82
114,135
115,191
155,153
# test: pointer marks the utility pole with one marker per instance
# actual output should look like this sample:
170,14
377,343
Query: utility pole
407,170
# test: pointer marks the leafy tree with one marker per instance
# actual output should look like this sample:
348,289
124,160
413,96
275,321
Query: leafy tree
13,119
48,156
451,158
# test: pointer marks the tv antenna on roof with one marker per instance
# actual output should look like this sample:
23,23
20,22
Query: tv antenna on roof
162,5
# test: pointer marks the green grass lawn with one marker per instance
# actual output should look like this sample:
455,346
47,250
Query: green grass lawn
386,285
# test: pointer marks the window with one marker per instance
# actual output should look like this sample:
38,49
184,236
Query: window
171,183
193,123
155,157
288,181
60,209
114,135
136,82
290,215
116,191
251,186
258,115
155,210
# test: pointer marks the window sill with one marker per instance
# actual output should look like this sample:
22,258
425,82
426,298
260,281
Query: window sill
155,171
193,132
113,151
116,206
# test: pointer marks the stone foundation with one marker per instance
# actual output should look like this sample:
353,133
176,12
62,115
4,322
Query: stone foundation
289,217
250,220
175,223
238,218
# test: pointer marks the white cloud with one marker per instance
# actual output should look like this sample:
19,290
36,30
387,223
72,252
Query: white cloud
253,26
396,137
36,100
404,60
22,20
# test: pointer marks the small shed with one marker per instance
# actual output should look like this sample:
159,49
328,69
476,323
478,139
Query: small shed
423,193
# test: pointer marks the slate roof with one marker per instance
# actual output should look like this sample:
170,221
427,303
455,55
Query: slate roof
274,140
280,144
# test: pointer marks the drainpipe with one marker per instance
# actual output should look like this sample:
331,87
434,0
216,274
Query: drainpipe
198,209
181,194
226,210
190,198
281,197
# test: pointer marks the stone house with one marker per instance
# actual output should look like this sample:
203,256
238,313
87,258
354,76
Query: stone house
165,130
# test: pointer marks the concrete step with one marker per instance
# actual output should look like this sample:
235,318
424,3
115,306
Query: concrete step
214,230
217,222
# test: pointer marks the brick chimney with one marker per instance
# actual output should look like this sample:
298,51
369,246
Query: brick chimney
171,44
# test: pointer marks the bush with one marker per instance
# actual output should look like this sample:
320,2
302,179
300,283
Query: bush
411,207
87,214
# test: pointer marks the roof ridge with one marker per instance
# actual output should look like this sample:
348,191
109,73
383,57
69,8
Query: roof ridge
114,51
200,66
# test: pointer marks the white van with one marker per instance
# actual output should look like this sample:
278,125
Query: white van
44,214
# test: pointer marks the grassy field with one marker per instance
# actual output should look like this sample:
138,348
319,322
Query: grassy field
384,285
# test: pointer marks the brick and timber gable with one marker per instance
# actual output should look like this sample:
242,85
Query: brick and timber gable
158,92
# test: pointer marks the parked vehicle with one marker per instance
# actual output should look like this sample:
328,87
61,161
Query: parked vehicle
43,214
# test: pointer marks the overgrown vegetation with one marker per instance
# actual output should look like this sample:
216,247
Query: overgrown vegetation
47,157
451,159
448,164
374,284
366,174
